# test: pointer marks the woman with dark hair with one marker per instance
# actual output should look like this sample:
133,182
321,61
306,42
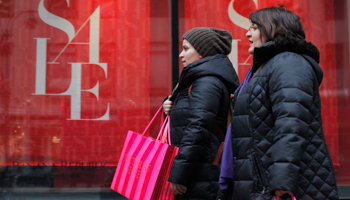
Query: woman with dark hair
277,138
198,111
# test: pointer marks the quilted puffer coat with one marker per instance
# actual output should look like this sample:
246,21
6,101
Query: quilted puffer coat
277,136
192,120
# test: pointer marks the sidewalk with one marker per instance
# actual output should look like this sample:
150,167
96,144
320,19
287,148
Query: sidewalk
59,194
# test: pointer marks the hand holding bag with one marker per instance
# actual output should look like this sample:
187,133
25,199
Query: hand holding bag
293,197
144,166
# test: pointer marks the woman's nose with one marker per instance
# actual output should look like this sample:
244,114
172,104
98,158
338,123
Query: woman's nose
248,34
181,54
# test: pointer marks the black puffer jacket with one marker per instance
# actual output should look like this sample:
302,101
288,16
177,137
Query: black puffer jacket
192,120
277,135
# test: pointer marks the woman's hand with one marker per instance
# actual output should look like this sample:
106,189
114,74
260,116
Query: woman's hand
167,106
177,188
282,192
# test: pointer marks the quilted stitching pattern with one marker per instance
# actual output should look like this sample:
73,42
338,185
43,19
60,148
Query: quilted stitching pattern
317,179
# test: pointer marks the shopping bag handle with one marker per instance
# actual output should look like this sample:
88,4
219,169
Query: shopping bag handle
165,125
149,124
293,197
164,122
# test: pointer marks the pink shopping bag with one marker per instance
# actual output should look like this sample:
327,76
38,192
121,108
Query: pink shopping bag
143,167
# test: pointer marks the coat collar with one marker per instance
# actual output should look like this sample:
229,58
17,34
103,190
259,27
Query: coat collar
218,66
268,50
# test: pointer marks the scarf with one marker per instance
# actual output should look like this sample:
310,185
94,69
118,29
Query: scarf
226,172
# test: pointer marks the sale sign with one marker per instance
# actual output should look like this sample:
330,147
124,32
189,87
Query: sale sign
74,81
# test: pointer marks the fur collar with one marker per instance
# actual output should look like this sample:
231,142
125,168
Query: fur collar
268,50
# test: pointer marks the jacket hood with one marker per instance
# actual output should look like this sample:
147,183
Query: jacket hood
219,66
315,67
306,49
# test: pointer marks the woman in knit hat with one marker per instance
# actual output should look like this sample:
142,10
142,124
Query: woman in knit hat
198,111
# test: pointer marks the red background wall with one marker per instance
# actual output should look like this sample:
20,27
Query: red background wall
134,42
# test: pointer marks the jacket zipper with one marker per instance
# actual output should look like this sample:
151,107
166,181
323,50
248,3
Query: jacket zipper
259,172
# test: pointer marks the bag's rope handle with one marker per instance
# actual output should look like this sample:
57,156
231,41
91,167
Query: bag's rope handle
162,127
149,124
293,197
162,118
163,124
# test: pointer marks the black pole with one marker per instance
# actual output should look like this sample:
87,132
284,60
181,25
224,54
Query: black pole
174,12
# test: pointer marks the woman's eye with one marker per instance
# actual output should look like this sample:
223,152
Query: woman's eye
253,28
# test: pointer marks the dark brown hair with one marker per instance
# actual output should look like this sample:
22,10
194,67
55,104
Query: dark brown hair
276,22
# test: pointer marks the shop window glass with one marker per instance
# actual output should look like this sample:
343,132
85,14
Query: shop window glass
75,76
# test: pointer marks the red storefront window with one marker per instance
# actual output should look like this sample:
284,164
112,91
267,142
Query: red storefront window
75,77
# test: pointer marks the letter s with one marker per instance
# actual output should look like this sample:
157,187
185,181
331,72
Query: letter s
56,21
238,19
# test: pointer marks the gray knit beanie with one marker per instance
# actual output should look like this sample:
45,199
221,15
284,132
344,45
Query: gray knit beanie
209,41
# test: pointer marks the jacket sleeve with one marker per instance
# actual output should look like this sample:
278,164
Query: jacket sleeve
204,103
291,87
